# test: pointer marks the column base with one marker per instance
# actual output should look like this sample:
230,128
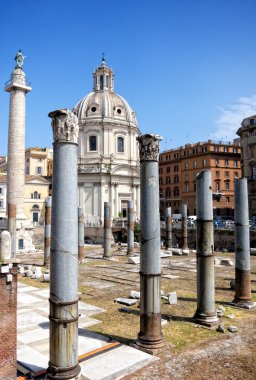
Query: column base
241,304
150,346
206,320
71,373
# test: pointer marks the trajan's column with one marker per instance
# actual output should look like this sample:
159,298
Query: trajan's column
18,89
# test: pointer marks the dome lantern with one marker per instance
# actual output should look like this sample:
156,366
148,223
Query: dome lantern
103,77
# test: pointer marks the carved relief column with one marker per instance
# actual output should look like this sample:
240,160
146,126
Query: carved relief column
63,363
150,337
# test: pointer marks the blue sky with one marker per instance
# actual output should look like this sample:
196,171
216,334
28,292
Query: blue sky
187,67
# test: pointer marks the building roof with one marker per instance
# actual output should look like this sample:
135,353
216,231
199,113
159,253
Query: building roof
104,103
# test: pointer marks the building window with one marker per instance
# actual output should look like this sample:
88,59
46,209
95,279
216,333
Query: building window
160,193
106,80
35,195
226,185
1,190
168,157
101,82
1,203
168,169
35,216
195,186
186,188
160,158
27,170
176,179
168,192
176,168
168,180
176,156
225,149
39,160
92,143
120,145
204,163
216,149
38,170
226,162
217,162
235,164
217,173
160,181
21,244
168,204
254,172
160,170
195,164
226,174
204,149
186,178
217,186
176,192
227,199
195,151
251,121
186,165
235,150
236,174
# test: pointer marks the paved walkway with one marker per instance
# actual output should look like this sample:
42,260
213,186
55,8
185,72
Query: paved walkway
99,357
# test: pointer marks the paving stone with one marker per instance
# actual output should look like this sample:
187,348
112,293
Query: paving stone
220,328
135,294
227,262
126,301
232,329
134,260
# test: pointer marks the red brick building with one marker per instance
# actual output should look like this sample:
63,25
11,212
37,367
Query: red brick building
179,167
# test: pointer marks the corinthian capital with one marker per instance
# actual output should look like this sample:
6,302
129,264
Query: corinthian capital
64,125
149,147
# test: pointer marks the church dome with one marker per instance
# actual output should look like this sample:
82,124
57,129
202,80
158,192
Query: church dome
103,104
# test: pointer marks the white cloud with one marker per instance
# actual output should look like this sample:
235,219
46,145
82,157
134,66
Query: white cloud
231,117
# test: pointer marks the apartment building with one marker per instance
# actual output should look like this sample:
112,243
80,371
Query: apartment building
179,167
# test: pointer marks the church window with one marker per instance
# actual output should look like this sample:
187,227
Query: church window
93,109
106,80
119,111
39,170
92,143
101,82
120,144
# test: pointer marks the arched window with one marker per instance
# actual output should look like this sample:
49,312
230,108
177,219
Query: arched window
92,143
120,144
101,82
35,195
168,192
106,80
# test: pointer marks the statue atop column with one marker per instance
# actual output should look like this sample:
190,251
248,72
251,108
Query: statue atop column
19,58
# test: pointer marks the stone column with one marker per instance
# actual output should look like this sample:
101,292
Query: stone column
205,313
184,227
243,297
107,231
150,338
168,228
138,201
47,229
63,363
18,88
12,227
130,230
80,233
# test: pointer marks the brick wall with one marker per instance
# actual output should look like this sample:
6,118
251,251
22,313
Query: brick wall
8,327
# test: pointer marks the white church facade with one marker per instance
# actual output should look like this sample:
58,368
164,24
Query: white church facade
108,158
